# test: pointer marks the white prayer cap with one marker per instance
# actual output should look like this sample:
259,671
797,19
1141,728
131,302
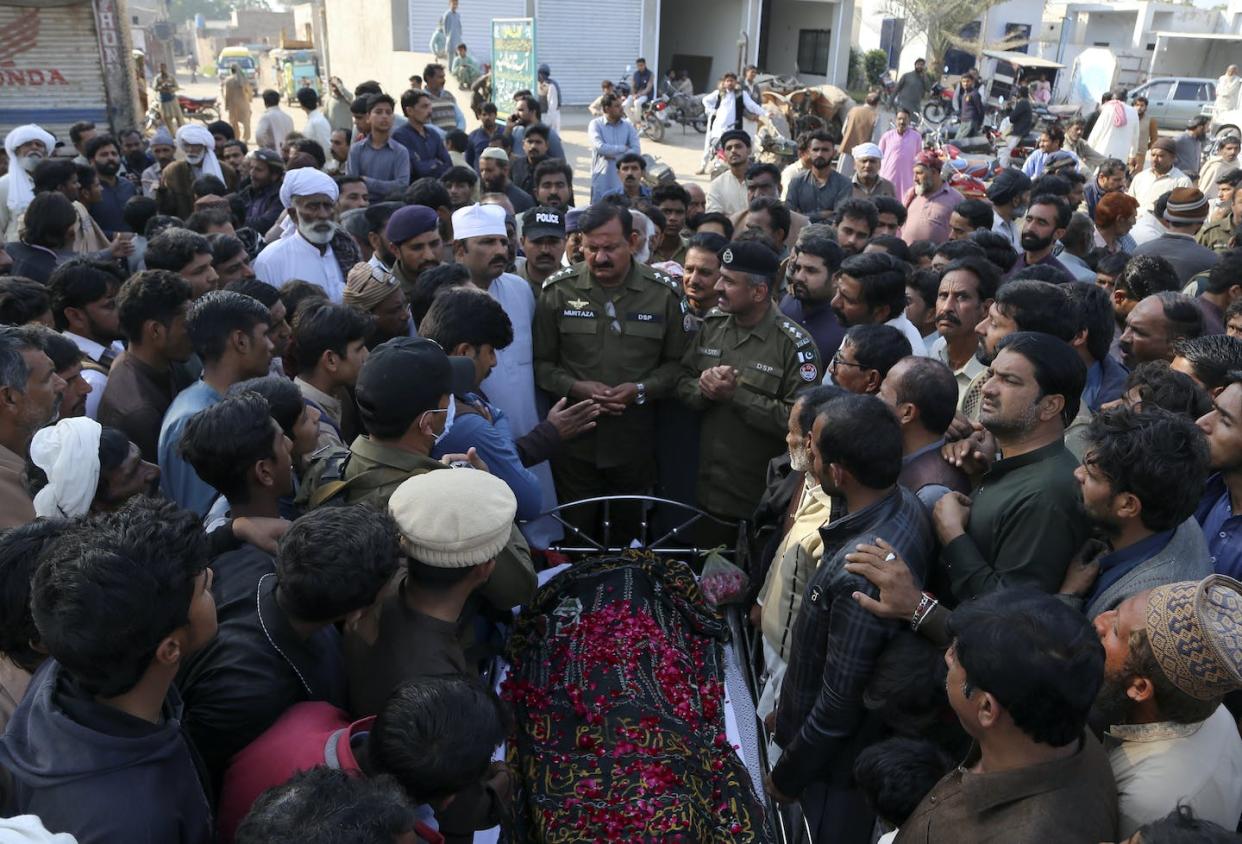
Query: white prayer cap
307,181
478,221
866,151
68,453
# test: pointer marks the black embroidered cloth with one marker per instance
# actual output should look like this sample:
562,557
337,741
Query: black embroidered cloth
617,686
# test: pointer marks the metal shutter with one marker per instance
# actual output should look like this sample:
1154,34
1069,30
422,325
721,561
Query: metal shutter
476,25
580,53
50,70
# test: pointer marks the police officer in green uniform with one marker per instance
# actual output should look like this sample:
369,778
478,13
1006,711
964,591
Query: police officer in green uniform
744,370
612,330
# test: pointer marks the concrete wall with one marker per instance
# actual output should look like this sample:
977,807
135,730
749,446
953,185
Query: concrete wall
702,28
1014,12
868,16
371,42
787,18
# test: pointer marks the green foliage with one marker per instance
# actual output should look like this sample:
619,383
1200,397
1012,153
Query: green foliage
855,76
875,63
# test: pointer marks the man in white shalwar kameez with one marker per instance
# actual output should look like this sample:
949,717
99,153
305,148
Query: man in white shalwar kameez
1115,130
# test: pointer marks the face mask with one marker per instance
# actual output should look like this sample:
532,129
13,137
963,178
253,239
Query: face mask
319,232
448,420
196,159
30,162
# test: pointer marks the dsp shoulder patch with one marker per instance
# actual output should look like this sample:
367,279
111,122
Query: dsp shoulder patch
795,332
665,279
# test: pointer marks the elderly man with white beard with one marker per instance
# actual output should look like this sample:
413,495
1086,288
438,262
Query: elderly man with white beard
313,248
175,193
26,147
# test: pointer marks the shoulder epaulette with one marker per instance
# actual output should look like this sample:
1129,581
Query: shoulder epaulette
715,313
557,276
664,279
794,331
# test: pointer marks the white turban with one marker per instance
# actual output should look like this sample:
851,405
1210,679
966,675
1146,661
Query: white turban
21,185
68,453
192,133
867,150
307,181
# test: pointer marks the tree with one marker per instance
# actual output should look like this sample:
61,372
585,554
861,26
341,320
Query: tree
940,22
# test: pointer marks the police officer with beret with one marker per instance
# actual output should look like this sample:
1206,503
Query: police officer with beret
744,369
609,329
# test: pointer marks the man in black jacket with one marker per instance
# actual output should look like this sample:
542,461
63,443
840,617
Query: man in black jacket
1021,119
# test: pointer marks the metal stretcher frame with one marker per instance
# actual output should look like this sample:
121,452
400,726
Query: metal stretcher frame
788,827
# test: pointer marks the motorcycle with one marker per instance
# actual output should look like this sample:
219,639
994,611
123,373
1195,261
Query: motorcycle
205,109
685,110
940,105
652,121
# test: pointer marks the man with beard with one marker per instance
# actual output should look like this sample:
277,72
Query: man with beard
1170,658
871,289
967,287
494,178
105,157
554,184
134,156
811,289
1009,193
164,152
1024,522
856,222
1109,178
481,137
1161,177
867,182
818,191
1045,224
543,242
1140,478
930,202
318,251
727,192
26,147
262,195
744,369
534,152
78,468
30,395
1216,512
413,235
176,191
1156,324
67,359
83,294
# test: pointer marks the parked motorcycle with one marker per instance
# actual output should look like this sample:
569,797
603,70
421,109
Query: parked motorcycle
685,110
653,120
205,109
940,105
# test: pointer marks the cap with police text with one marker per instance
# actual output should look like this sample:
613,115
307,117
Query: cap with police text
748,256
406,376
543,222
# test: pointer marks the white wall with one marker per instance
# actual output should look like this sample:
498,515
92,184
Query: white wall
1014,12
786,19
362,34
701,28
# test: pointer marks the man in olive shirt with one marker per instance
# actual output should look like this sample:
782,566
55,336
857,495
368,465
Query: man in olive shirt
744,369
1024,521
404,395
611,330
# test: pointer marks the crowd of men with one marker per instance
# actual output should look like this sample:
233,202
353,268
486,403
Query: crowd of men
281,429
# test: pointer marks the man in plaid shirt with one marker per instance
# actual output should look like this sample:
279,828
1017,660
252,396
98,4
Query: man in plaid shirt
856,447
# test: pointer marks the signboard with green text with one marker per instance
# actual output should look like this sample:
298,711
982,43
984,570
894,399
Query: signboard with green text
513,60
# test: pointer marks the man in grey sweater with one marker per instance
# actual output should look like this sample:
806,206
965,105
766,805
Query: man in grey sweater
1141,478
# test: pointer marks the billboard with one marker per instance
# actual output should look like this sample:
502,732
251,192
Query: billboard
513,60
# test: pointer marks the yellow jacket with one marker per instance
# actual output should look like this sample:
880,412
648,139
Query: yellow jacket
795,561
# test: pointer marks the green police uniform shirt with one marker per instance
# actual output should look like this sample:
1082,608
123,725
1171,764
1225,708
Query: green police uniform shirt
633,333
776,360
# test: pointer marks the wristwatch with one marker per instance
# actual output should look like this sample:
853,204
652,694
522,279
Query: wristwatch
641,398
